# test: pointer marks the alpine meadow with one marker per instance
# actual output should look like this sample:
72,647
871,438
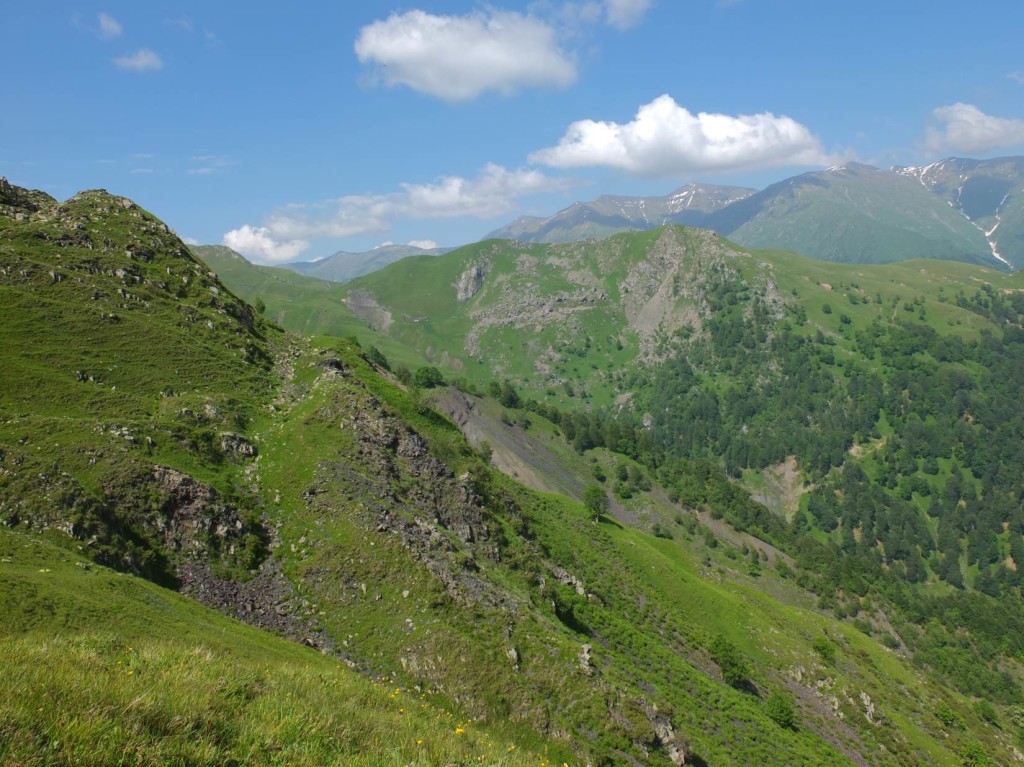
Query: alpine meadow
601,383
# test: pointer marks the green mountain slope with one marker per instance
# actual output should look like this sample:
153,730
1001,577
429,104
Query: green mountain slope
854,214
344,266
299,303
892,389
574,318
956,209
989,193
103,668
296,484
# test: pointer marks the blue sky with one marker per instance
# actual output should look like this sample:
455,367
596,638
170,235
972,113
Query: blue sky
291,131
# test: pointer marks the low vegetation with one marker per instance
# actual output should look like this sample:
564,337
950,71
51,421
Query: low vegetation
460,617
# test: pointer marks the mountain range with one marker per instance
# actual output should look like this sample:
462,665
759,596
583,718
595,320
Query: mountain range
344,265
609,214
680,502
956,209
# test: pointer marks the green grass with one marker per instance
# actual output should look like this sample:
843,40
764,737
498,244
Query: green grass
425,566
655,611
301,304
104,668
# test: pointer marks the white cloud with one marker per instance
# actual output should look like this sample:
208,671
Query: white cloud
623,14
257,244
143,60
142,171
665,139
208,164
190,240
965,128
109,27
492,193
425,244
1017,77
460,57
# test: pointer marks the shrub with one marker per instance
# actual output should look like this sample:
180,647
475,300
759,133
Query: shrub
825,649
780,710
596,501
428,377
946,715
986,712
730,661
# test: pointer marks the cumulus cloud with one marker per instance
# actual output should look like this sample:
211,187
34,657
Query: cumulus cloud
965,128
257,243
424,244
109,27
457,58
665,139
143,60
492,193
623,14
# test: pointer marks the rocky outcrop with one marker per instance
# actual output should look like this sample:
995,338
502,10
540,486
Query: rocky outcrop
23,204
674,744
194,521
236,446
267,601
471,280
365,306
436,495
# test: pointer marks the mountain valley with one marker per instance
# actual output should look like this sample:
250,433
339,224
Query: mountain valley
555,557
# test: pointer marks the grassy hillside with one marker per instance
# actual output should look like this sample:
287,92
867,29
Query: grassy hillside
854,214
567,321
103,668
512,610
302,304
891,389
296,484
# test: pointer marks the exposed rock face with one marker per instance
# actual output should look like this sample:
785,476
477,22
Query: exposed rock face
365,307
675,745
566,578
237,445
387,478
585,658
471,280
267,600
397,452
20,204
192,518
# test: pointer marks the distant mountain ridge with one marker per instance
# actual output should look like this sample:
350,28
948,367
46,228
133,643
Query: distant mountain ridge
988,193
344,266
610,214
956,209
